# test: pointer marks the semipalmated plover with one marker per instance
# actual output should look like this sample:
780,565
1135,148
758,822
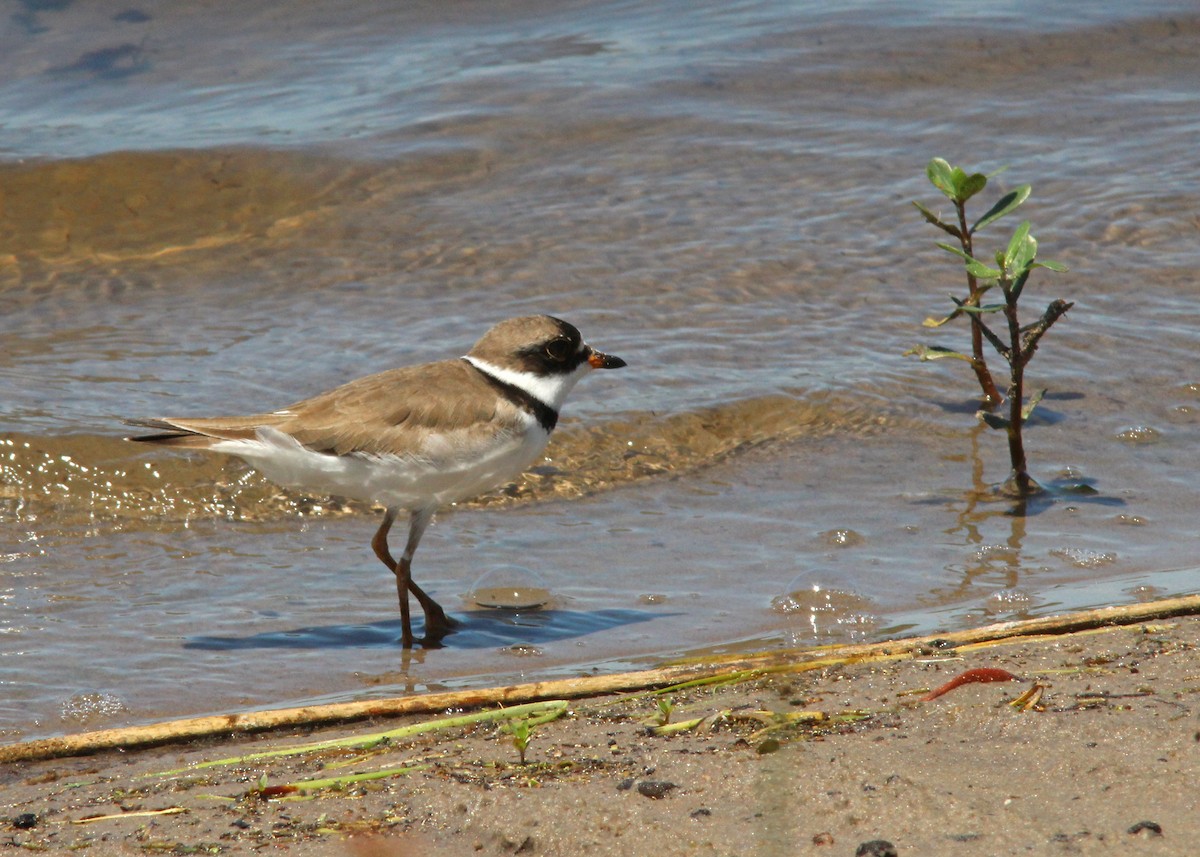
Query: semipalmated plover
414,438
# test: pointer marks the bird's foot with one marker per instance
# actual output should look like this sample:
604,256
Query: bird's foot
437,626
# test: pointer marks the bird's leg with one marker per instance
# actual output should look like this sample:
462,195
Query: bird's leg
380,546
437,623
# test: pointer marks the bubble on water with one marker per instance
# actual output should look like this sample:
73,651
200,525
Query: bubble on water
1146,593
842,538
510,587
522,650
1070,473
826,611
1140,435
652,598
1000,555
1084,558
1009,601
85,707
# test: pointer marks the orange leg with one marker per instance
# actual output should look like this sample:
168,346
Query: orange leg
437,623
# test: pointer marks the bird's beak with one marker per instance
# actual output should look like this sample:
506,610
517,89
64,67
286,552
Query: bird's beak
605,361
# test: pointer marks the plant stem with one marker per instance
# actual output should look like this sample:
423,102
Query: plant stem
991,396
1020,481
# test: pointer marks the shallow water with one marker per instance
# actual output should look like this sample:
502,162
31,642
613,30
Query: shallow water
210,213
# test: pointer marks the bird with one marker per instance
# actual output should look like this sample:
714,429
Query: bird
411,439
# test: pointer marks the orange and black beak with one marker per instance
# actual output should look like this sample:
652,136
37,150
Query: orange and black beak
605,361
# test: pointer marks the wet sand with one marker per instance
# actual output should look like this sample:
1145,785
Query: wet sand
1104,762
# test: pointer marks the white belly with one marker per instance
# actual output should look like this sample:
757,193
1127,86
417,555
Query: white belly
447,469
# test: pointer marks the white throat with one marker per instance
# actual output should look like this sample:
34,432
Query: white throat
550,390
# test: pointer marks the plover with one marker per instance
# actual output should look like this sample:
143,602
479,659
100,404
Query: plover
414,438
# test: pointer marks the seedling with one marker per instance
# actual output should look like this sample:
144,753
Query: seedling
1013,266
665,706
521,733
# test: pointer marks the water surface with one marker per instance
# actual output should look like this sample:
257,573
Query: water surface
213,212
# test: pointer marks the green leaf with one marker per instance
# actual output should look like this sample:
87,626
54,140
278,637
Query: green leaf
937,221
1031,404
971,185
994,420
941,175
1022,248
936,352
982,271
1003,206
1016,243
974,266
957,251
982,310
1058,267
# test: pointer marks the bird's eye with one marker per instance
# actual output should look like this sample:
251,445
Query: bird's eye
559,350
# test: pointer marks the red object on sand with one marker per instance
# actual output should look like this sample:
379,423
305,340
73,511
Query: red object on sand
980,674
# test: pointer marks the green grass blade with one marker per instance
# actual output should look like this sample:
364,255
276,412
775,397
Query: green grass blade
339,782
555,707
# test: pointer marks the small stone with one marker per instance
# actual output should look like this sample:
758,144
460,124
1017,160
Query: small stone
1145,828
27,821
625,784
876,848
654,788
702,812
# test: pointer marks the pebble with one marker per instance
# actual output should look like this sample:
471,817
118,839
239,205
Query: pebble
654,788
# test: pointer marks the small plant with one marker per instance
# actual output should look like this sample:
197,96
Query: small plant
1013,266
521,732
665,706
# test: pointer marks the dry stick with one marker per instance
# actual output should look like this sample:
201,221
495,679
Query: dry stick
798,660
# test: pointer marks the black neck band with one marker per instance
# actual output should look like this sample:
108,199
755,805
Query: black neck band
546,416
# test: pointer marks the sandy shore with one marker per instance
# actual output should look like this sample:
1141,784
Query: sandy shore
824,762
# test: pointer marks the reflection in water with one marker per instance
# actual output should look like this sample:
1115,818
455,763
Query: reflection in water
987,505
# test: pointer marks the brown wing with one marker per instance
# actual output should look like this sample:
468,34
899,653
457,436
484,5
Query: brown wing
392,411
